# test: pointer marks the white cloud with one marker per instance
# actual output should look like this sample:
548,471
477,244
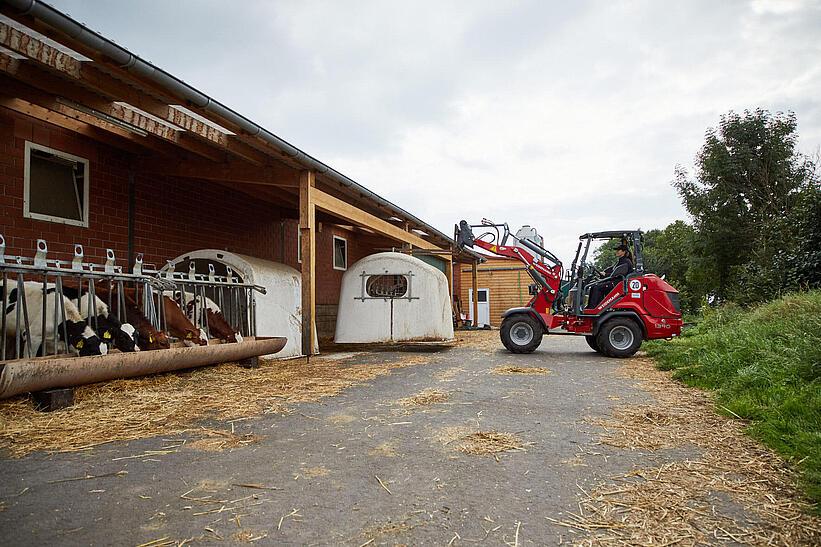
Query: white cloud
569,116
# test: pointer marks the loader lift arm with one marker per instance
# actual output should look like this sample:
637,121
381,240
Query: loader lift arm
547,274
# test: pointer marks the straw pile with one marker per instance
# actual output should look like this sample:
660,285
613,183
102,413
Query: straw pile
489,442
509,369
690,502
171,403
424,397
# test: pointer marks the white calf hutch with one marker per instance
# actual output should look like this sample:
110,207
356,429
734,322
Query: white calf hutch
393,297
278,312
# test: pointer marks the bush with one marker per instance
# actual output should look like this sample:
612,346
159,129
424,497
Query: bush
765,365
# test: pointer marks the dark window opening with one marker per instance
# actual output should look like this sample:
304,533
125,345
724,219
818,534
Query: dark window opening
340,253
56,186
387,286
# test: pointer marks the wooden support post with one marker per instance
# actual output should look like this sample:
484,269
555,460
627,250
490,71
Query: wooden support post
475,279
449,274
307,227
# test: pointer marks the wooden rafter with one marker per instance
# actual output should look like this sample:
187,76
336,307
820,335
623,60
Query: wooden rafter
337,207
232,171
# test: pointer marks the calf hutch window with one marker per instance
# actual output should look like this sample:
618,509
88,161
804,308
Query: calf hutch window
340,253
386,286
55,186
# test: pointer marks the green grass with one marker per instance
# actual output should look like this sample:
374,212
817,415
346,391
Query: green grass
765,366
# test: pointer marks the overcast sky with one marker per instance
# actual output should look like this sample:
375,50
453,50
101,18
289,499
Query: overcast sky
569,116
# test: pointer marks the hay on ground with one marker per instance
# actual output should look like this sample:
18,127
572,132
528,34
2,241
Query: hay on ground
425,397
481,443
694,501
171,403
511,369
217,440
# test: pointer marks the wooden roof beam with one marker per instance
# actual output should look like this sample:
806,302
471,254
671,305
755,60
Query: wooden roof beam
20,42
94,129
230,171
341,209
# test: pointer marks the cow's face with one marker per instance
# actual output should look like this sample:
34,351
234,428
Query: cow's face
153,340
124,337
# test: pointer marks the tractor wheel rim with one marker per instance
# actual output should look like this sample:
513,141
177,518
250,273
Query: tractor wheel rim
621,337
521,333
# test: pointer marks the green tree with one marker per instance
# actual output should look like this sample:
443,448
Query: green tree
748,182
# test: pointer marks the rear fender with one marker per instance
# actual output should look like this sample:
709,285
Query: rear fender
626,313
527,311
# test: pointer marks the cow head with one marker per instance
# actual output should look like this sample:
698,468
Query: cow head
84,340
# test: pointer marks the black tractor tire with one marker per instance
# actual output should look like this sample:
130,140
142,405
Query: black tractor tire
619,337
591,341
521,333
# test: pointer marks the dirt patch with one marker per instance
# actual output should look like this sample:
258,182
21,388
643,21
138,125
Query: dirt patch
387,449
217,440
341,419
448,375
312,472
510,369
690,502
248,536
424,397
169,404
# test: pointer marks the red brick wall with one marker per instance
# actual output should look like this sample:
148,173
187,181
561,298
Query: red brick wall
172,216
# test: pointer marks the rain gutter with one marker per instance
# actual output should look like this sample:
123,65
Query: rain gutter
143,69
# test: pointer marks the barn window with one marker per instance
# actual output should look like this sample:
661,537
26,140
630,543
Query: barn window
387,286
340,253
55,186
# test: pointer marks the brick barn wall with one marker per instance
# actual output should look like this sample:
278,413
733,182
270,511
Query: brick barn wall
172,216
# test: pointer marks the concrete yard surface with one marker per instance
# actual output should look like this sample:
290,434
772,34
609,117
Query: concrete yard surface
467,445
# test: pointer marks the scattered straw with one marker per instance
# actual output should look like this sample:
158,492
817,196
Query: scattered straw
425,397
690,502
169,404
448,375
216,440
509,369
485,340
387,449
311,472
488,442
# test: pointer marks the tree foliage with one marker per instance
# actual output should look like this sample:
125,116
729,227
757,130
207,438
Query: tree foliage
753,200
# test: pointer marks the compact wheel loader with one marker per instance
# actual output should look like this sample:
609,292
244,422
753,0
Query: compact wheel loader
640,306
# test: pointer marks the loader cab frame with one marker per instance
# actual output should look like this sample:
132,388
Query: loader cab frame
583,272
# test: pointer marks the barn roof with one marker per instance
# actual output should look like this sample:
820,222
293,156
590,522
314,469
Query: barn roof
64,67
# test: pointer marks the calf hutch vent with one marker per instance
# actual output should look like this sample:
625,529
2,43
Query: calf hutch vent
278,312
393,297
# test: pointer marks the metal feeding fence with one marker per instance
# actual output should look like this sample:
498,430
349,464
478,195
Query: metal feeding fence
194,293
38,293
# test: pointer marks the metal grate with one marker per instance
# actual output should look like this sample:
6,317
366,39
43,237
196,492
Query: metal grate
387,286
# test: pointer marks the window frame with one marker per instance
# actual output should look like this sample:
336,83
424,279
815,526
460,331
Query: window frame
27,212
333,253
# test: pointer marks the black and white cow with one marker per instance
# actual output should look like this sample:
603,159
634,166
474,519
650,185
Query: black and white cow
81,338
122,336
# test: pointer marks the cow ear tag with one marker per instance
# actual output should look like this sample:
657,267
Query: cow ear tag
107,334
188,335
79,344
150,339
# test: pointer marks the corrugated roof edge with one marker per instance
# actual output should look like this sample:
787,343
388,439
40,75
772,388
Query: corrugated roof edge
76,30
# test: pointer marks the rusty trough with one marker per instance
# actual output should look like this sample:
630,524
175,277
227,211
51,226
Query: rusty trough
41,373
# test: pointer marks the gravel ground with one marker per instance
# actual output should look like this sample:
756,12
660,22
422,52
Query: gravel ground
369,466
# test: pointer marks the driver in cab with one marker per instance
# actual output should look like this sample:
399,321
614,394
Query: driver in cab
611,276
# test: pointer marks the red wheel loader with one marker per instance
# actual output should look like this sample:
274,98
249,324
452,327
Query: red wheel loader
641,306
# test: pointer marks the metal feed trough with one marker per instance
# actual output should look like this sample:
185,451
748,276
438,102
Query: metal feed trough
22,370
